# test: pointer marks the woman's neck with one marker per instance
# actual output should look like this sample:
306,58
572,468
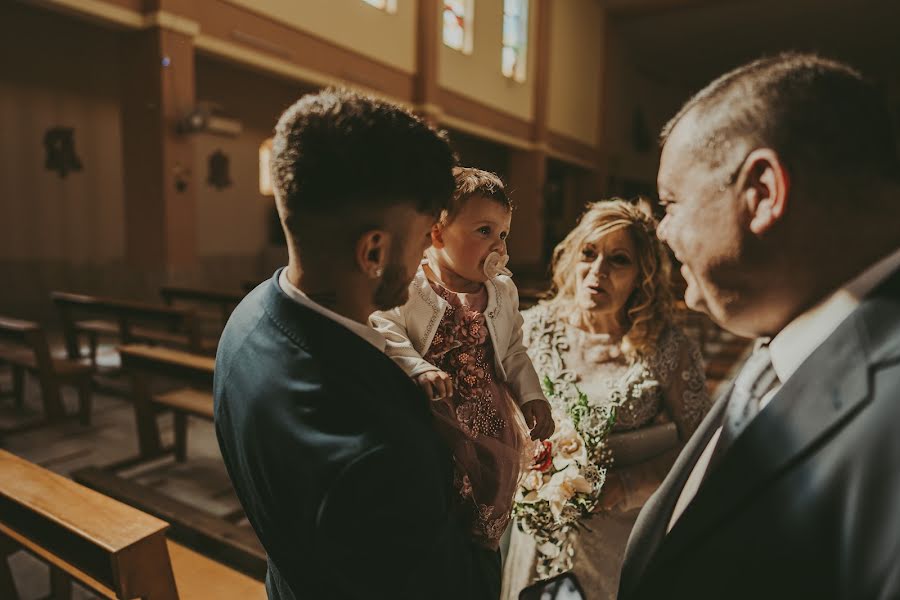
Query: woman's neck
448,278
598,322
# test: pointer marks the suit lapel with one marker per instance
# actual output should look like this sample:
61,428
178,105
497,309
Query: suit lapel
826,391
650,527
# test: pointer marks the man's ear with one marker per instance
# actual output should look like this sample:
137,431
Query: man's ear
437,235
372,250
765,185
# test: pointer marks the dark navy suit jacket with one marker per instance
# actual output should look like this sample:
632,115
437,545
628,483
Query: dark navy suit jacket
806,502
332,452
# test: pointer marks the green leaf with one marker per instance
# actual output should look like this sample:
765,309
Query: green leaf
549,387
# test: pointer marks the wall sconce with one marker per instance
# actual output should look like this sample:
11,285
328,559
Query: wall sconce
202,120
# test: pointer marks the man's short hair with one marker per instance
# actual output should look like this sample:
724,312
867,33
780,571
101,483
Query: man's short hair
814,112
475,182
341,153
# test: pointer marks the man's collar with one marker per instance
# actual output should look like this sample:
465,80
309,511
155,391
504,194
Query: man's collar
800,337
363,331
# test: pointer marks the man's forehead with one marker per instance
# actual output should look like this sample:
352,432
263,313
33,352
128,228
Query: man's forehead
683,136
679,154
670,165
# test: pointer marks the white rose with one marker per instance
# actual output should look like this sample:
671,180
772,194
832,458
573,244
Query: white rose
568,447
526,497
561,487
549,549
533,480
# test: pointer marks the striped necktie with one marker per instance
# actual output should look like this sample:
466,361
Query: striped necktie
756,378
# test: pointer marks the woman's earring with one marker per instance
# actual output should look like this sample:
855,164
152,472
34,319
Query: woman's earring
379,272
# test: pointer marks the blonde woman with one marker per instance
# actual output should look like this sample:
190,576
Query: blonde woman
606,333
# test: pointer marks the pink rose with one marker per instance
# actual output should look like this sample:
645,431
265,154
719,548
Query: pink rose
543,456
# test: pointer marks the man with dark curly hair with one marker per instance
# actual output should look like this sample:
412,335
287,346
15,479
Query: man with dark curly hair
330,446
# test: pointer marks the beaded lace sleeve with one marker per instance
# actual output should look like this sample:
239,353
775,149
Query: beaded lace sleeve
547,344
679,366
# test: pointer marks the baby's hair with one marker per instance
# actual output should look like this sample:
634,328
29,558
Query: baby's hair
474,182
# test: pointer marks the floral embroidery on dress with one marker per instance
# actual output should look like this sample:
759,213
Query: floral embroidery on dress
635,399
461,348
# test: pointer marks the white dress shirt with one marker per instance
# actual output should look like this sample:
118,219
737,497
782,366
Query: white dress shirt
792,346
363,331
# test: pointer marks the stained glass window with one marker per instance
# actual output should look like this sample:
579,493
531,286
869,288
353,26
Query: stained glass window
385,5
265,168
515,38
458,24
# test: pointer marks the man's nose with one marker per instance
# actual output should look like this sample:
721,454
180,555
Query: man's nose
662,230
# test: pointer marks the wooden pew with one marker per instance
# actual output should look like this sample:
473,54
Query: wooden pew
222,302
148,366
147,363
216,536
109,547
126,320
24,347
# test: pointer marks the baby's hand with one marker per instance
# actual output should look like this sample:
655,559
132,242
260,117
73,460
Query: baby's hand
436,384
538,418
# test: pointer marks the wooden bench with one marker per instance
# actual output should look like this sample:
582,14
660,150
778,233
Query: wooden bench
127,321
149,366
147,363
108,547
24,347
216,536
221,302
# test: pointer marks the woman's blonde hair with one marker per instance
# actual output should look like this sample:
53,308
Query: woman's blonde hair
649,308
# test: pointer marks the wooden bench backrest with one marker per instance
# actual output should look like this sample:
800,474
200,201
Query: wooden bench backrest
172,294
127,313
29,336
191,368
224,302
111,548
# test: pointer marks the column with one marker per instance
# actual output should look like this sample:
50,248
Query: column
160,206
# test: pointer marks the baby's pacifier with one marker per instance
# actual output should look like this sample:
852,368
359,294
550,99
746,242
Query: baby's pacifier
495,264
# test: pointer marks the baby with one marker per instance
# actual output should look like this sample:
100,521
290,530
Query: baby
460,337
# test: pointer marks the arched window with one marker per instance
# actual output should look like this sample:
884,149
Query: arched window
515,39
388,6
265,168
458,24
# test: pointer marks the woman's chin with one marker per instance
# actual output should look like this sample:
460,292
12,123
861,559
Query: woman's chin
596,303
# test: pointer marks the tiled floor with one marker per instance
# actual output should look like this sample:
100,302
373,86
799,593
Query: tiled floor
201,481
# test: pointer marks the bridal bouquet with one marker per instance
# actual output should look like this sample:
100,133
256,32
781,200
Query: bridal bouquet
562,485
